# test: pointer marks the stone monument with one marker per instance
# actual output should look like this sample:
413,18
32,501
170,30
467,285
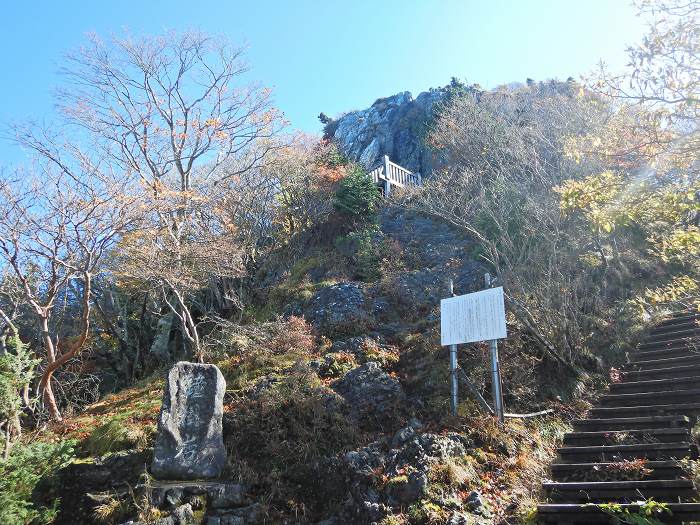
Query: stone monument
190,444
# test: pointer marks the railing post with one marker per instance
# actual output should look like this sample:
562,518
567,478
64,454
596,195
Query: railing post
387,175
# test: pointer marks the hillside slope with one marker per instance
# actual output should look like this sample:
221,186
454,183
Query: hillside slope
341,419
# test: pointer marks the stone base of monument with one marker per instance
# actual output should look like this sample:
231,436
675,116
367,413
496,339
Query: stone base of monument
189,451
189,444
215,495
201,503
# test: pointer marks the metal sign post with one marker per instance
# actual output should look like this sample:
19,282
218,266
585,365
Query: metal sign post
496,388
453,363
496,381
469,318
453,377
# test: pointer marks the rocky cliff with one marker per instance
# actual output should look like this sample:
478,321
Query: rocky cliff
394,126
399,125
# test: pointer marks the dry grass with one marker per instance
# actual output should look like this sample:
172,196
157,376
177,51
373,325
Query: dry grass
136,407
112,511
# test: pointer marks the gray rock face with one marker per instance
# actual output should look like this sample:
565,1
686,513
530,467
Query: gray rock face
409,455
190,442
433,252
393,126
369,389
339,309
430,243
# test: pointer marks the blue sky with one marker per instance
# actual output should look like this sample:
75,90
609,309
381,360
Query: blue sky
330,55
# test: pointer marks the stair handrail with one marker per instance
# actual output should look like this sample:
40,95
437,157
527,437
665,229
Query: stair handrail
395,174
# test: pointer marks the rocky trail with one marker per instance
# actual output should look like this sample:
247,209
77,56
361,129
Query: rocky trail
633,445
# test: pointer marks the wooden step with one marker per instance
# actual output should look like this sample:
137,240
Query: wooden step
662,373
666,353
631,423
690,342
669,343
680,409
629,450
680,333
668,469
604,491
665,397
654,385
612,437
657,333
680,324
607,453
586,514
664,363
685,318
693,310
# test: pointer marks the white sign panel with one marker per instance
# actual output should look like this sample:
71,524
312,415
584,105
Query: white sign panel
479,316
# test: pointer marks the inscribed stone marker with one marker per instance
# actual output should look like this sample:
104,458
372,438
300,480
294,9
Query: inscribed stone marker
190,444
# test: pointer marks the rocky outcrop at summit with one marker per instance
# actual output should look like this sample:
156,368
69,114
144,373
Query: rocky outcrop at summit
394,126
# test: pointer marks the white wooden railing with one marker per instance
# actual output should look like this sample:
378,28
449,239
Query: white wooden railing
391,174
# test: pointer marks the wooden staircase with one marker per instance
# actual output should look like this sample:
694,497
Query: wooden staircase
640,430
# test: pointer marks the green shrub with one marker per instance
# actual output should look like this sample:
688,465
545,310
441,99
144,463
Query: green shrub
332,157
21,473
16,371
649,512
362,248
392,520
357,197
426,513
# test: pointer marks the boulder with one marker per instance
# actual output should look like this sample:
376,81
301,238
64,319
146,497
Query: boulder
369,389
339,309
360,346
189,444
228,495
168,494
406,460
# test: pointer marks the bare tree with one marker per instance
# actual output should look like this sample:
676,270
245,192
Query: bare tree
56,226
173,113
178,266
657,94
504,157
170,109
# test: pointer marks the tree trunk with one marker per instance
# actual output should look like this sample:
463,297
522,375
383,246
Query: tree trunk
55,362
48,396
45,386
